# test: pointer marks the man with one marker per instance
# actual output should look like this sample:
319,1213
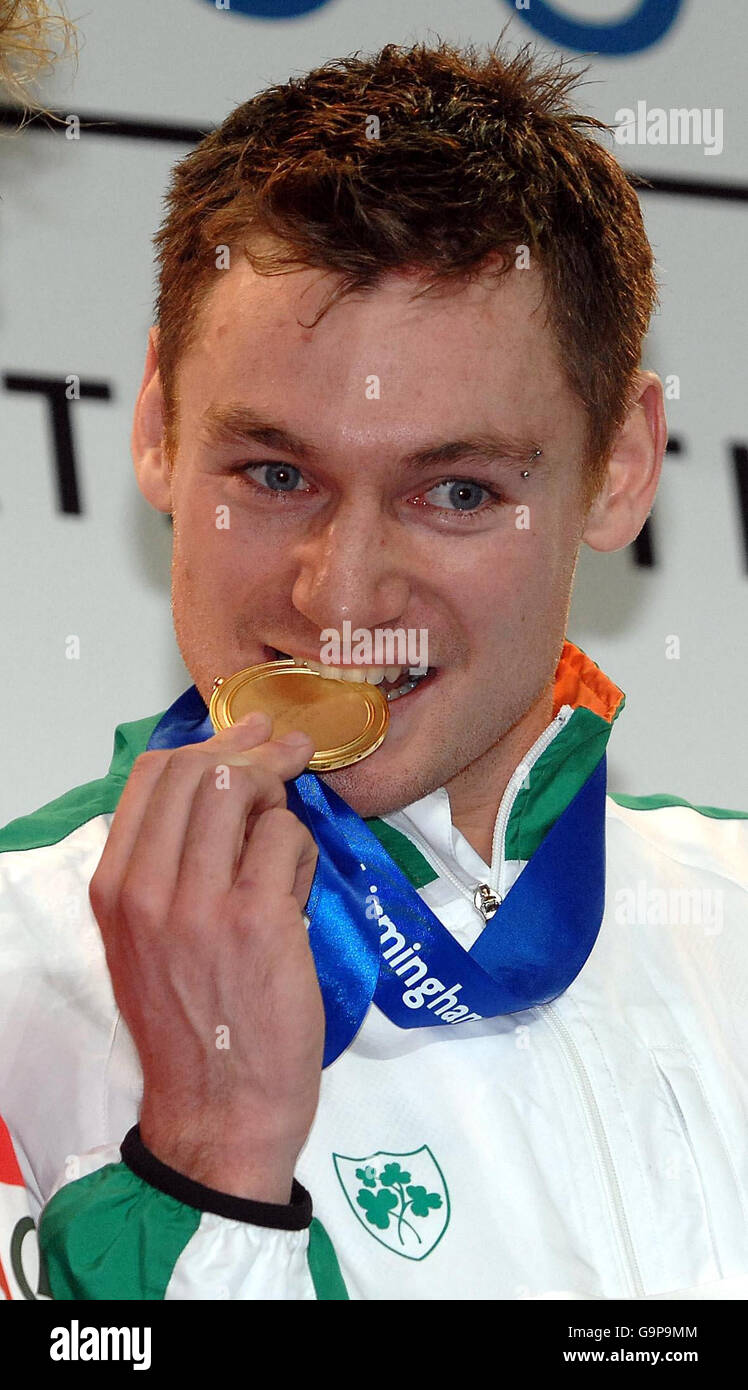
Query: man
394,383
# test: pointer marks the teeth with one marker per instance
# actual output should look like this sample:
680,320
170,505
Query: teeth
373,675
356,674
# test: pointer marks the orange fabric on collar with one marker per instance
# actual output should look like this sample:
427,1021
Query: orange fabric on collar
580,683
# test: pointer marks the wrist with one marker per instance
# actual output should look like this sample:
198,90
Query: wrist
228,1162
295,1215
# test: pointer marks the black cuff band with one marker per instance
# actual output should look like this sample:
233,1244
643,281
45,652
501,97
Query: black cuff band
296,1216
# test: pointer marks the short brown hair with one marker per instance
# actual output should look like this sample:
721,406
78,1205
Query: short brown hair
477,154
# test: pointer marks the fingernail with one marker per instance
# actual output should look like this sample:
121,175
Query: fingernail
294,739
255,718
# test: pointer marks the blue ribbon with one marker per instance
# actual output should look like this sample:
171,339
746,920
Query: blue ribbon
375,940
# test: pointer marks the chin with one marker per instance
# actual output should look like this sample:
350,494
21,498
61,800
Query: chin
373,797
375,788
418,756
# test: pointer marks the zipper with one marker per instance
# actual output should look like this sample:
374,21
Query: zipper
438,863
601,1146
520,775
488,897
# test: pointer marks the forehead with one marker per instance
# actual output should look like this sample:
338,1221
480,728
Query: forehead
380,362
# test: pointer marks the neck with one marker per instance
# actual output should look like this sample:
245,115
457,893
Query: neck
475,793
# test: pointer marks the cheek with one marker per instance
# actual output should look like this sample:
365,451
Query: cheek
519,591
206,537
546,550
521,565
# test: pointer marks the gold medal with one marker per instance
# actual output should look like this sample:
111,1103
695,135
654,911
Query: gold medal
346,720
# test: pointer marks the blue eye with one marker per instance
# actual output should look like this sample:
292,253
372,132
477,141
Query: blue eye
458,495
276,477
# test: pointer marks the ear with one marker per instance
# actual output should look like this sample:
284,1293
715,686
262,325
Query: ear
625,499
152,468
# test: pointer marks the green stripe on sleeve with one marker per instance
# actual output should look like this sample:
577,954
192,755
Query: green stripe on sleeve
323,1264
661,799
112,1235
59,818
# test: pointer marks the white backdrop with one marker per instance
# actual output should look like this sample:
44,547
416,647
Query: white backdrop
76,289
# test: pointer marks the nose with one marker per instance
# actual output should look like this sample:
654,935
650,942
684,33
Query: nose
352,569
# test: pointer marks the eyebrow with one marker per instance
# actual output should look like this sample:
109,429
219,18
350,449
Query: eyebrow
227,424
482,448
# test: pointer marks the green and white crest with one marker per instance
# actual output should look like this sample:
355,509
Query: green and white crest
401,1199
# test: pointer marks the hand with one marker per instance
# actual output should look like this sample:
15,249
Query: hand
199,895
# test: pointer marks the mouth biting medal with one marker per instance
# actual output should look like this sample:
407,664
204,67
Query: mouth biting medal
346,720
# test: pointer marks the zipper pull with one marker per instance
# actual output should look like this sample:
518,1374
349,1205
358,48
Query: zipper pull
485,901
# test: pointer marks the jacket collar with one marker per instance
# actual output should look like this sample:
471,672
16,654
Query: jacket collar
585,707
595,703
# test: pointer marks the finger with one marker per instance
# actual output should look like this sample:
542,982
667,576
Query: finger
159,847
225,810
144,775
153,813
280,858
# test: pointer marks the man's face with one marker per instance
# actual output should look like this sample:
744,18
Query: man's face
363,531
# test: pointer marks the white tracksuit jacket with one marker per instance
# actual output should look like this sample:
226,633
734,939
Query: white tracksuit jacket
594,1147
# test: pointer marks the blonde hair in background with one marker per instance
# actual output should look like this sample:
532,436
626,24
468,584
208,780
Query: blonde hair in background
33,36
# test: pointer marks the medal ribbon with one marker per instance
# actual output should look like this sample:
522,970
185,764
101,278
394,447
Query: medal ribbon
374,939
